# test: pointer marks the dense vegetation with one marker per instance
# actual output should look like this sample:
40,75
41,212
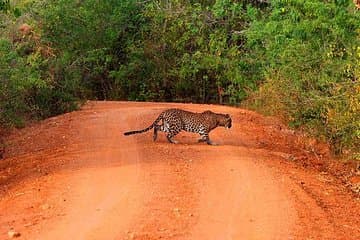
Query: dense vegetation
297,59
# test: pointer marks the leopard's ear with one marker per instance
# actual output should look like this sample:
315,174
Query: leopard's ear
227,115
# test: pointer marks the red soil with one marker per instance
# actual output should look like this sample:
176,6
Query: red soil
76,176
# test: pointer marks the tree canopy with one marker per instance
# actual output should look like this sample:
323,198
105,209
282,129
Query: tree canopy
297,59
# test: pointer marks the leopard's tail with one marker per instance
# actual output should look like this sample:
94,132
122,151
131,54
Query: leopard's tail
146,129
139,131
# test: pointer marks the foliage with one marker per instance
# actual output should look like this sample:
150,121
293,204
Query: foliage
191,50
116,51
26,90
91,38
4,5
311,67
298,59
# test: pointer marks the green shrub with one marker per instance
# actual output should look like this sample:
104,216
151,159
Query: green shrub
310,59
4,5
297,59
189,51
16,78
92,39
27,90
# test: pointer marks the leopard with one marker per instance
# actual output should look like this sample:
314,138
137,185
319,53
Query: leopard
174,120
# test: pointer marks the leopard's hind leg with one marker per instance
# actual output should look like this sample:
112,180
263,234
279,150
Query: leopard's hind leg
205,138
170,133
209,142
173,131
169,137
156,129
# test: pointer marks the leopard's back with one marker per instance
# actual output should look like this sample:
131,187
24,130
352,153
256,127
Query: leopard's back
187,121
198,122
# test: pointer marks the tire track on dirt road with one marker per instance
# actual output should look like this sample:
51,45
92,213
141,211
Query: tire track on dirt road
115,187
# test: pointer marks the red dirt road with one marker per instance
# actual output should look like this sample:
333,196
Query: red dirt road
76,176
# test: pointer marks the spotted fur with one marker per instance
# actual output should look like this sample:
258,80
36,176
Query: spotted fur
175,120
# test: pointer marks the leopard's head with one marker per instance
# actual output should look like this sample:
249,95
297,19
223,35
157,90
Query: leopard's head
224,120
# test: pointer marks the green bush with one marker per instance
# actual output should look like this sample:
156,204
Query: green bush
297,59
17,77
27,90
92,39
189,51
310,59
157,50
4,5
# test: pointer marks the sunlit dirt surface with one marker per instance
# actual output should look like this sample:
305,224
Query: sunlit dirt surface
76,176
